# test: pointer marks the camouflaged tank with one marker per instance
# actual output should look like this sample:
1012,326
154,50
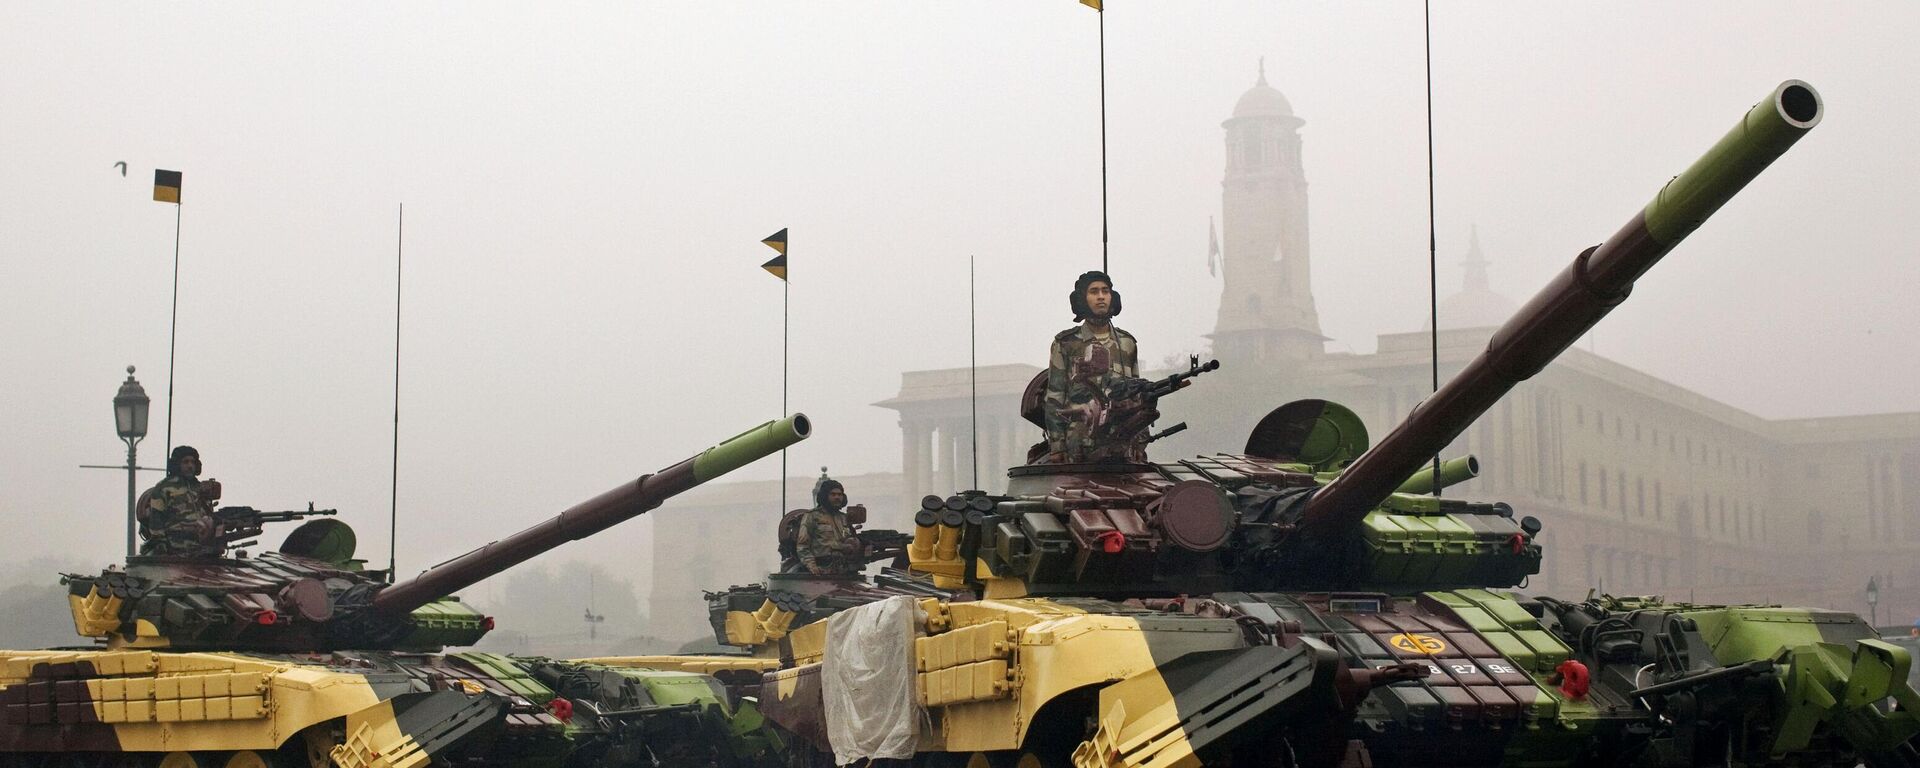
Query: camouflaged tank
301,659
1310,600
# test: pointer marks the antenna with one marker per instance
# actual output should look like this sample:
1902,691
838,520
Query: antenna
973,375
1102,13
1433,247
393,497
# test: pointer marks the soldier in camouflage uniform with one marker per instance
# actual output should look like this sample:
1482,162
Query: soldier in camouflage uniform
1086,361
176,517
825,541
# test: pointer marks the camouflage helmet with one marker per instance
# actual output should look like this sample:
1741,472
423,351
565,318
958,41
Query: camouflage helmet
1078,299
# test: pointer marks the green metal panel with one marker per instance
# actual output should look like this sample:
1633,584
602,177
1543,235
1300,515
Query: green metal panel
510,674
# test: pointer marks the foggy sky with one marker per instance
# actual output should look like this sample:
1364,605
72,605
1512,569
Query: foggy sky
586,187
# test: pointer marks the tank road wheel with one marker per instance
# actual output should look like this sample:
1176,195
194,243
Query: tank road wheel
315,745
965,759
131,760
248,758
187,760
1041,760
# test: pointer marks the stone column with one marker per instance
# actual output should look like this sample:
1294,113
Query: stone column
1020,437
989,455
914,465
955,440
940,480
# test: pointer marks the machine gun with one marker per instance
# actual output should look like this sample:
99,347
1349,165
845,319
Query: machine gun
1132,406
883,544
234,524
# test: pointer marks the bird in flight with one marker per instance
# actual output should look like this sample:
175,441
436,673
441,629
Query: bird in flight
122,165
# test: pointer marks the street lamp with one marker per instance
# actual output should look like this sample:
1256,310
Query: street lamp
1873,602
130,418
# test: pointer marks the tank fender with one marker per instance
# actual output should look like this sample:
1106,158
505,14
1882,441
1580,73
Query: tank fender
1206,703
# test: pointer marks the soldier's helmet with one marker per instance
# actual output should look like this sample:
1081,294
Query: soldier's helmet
179,452
1078,299
824,486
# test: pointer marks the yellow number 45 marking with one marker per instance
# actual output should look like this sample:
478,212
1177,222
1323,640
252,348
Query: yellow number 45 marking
1412,643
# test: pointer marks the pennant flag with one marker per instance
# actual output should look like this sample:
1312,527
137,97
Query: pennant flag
1213,248
778,265
166,186
1094,4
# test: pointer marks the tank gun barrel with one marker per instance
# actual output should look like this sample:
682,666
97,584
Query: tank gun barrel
620,504
1590,287
1457,470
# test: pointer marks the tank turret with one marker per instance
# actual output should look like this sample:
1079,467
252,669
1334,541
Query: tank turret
1307,504
311,595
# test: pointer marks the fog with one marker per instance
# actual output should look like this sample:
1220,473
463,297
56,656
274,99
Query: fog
586,186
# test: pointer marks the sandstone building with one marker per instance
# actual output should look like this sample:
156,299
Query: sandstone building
1644,487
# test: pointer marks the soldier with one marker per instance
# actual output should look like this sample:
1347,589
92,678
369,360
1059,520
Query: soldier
176,515
825,541
1085,361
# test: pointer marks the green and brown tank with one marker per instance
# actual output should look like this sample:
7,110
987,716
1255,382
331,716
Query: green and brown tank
1309,601
300,657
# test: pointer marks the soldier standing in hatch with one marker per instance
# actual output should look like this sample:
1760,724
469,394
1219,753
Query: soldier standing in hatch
177,515
1085,360
825,542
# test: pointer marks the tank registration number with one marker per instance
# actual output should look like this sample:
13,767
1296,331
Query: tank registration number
1417,643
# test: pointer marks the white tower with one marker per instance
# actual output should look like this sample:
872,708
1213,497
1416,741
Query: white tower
1266,300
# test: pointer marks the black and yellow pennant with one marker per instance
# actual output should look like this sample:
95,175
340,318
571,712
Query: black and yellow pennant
166,186
778,265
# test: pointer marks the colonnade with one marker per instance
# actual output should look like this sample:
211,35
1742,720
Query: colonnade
937,454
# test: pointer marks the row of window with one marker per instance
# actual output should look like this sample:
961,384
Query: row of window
1701,454
1740,521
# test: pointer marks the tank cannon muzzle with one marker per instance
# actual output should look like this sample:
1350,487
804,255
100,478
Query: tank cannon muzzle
1584,292
1452,471
618,505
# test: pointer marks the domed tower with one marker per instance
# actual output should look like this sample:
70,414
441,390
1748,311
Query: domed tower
1266,301
1476,305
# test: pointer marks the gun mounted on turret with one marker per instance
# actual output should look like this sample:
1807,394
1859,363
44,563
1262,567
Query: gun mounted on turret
234,525
311,595
1307,505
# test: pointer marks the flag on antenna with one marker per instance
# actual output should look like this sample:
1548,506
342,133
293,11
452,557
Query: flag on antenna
778,264
1094,4
166,186
1213,248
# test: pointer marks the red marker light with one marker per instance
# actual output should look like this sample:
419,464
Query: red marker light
560,708
486,623
266,618
1112,541
1574,681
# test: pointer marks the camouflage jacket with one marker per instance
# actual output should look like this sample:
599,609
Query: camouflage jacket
177,520
826,544
1080,369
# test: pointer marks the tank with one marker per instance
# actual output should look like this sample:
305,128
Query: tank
1309,599
301,657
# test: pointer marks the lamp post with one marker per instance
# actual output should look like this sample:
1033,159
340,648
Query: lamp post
1873,602
130,418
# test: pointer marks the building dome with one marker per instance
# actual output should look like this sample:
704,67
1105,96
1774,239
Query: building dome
1476,309
1262,100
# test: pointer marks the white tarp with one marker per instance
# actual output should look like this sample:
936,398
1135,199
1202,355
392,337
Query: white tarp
867,680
